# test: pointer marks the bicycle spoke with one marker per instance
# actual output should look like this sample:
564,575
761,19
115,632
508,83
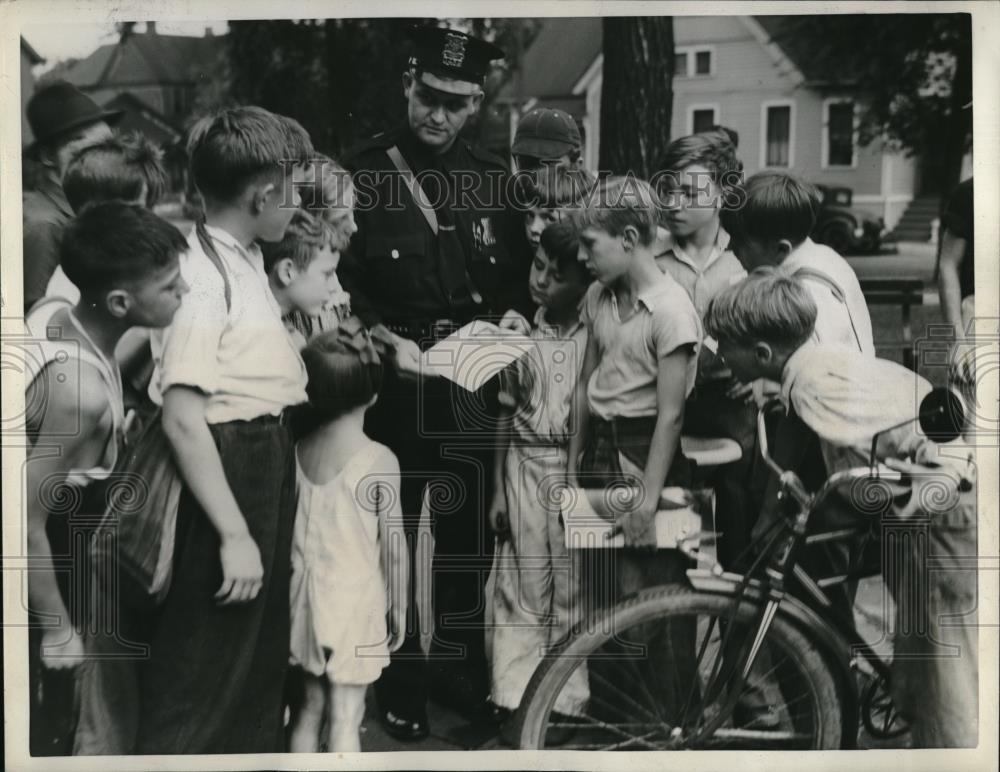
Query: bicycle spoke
628,698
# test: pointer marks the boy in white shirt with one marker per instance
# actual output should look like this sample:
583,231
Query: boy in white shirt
772,226
764,326
226,371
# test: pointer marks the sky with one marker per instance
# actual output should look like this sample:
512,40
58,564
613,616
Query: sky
61,41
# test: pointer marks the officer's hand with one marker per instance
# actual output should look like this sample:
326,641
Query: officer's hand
407,355
512,320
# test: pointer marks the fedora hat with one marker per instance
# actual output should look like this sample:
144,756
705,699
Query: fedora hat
60,107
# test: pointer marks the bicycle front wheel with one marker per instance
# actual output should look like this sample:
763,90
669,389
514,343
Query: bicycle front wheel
663,670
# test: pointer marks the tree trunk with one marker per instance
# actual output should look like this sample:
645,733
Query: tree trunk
636,93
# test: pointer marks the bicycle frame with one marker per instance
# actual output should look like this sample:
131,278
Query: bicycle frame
780,561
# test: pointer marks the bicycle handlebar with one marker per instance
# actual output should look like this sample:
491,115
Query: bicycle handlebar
791,483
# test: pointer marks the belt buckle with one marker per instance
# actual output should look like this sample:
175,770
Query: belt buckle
442,328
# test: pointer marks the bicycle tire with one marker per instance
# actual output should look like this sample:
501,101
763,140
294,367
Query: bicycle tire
675,602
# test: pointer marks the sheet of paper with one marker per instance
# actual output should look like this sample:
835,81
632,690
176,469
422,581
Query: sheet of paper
588,519
475,353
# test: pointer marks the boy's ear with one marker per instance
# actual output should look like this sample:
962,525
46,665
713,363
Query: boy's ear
783,249
118,303
477,101
260,194
762,353
630,237
286,271
407,83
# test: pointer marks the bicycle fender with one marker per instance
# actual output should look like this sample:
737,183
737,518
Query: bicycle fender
831,642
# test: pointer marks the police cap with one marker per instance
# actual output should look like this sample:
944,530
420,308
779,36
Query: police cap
451,61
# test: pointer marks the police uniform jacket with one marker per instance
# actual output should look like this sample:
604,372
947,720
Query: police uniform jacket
398,271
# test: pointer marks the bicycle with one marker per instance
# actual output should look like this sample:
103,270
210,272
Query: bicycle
755,643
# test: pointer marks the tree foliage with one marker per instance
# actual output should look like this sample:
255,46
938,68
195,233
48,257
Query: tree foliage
340,78
914,72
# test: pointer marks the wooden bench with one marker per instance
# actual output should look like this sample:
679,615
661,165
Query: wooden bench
897,292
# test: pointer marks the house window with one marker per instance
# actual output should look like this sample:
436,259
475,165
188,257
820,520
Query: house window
681,64
703,63
778,135
840,133
690,62
702,119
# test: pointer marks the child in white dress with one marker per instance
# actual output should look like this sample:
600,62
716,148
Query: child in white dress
349,558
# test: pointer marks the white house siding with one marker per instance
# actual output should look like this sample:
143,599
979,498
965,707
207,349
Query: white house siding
746,77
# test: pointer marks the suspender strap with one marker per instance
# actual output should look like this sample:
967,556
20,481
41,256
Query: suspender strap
806,272
213,255
419,197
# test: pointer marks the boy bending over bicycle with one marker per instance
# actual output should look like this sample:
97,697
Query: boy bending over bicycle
763,327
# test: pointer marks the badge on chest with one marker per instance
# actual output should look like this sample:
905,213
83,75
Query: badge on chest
482,232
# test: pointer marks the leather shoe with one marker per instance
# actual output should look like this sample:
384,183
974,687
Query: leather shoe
405,728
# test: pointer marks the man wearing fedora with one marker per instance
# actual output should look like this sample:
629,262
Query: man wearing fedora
437,246
63,120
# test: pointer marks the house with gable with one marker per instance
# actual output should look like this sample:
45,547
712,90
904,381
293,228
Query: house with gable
730,70
153,78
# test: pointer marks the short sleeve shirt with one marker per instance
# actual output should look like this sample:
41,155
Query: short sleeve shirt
243,358
663,320
702,283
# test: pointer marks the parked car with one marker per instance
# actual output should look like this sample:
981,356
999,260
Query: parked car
845,229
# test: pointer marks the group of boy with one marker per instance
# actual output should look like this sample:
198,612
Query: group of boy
798,327
227,371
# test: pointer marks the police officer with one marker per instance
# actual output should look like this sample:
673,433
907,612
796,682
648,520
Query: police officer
437,246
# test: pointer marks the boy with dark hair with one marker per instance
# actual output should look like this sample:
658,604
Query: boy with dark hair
125,261
533,607
126,168
698,175
226,371
772,227
764,326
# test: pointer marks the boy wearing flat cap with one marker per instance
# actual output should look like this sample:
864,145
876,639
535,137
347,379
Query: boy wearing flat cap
547,137
437,246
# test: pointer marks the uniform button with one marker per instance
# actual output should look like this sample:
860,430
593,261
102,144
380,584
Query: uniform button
394,254
493,260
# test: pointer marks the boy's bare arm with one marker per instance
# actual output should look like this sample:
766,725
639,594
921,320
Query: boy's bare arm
579,413
497,514
73,432
201,468
394,554
952,252
671,392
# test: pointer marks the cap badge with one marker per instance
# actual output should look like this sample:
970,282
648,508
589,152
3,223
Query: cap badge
453,54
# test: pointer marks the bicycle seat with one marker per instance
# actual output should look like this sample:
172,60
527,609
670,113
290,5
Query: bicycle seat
711,451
